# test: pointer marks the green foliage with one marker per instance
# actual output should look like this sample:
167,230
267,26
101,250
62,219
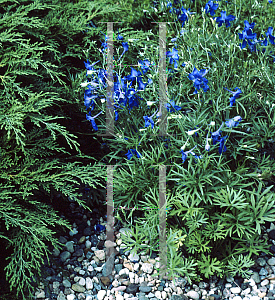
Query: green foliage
219,203
41,50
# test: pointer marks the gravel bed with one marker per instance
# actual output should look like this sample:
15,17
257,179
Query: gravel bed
80,270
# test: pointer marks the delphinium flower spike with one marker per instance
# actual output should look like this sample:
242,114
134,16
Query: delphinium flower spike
92,120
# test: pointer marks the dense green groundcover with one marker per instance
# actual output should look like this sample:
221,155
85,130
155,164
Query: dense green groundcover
49,151
221,128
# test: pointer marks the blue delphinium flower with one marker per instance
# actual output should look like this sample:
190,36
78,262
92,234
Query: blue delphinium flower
141,85
270,1
222,147
198,78
248,37
134,75
185,153
149,120
271,37
131,152
174,57
233,122
225,19
216,135
184,16
119,37
211,7
144,65
92,120
235,95
196,156
171,107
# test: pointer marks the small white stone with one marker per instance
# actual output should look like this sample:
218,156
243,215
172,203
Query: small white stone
246,291
90,268
158,294
89,283
271,261
265,282
193,295
101,294
252,282
82,281
119,297
71,297
163,295
237,298
136,267
88,244
40,295
235,290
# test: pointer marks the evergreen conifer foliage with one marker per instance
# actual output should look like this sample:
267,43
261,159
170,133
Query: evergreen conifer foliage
38,41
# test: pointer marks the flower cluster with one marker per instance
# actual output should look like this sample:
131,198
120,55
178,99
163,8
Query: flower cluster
126,96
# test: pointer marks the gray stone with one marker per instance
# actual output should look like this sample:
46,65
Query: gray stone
118,267
87,231
56,252
66,283
263,272
109,265
261,261
65,255
61,296
271,261
78,288
70,246
89,255
40,295
78,252
62,240
145,289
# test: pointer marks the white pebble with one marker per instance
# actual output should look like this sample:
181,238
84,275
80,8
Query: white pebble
193,295
158,294
265,282
235,290
71,297
101,294
237,298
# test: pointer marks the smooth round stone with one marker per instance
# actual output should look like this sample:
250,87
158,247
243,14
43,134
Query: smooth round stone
235,290
78,288
271,261
82,281
193,295
66,283
82,240
145,289
101,294
265,282
237,298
